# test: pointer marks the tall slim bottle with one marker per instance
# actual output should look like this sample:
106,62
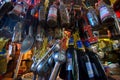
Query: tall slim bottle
69,64
64,15
85,28
85,67
52,15
72,16
42,12
96,64
92,17
66,72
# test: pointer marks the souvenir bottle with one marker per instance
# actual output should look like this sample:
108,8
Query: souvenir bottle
85,67
69,64
67,68
96,64
92,17
41,12
64,15
106,14
52,15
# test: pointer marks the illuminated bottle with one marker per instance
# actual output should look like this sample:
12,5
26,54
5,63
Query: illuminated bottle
92,17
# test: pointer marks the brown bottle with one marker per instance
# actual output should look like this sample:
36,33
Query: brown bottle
42,12
64,15
106,14
52,15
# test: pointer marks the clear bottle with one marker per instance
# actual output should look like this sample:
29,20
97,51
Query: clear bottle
92,17
52,15
64,15
42,12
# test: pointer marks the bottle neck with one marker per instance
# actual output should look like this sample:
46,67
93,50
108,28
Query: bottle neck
81,49
70,46
61,2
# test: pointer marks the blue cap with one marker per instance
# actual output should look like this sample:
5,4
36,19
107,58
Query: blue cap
2,52
71,41
69,55
14,0
87,44
79,44
32,2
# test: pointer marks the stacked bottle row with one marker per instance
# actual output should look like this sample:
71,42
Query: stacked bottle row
81,64
56,13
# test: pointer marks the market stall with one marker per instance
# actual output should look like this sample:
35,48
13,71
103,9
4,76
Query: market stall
59,40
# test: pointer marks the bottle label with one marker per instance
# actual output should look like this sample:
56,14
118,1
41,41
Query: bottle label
10,50
91,18
52,12
89,69
95,69
69,64
104,12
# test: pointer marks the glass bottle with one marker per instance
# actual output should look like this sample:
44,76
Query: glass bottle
52,15
42,12
106,14
92,17
96,64
66,72
72,15
85,67
64,15
69,61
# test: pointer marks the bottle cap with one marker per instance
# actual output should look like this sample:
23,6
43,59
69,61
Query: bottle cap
71,41
2,52
87,44
79,44
69,55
